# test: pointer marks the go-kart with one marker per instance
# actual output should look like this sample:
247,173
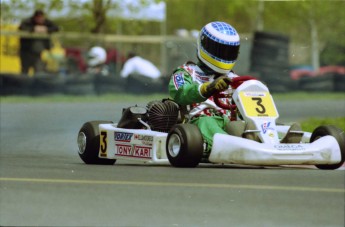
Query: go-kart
159,133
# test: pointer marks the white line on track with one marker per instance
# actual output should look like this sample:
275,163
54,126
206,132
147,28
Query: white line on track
173,184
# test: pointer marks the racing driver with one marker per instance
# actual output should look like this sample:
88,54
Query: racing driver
194,85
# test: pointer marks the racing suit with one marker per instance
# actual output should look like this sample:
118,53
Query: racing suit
184,89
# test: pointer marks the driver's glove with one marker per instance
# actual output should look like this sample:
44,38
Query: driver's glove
220,84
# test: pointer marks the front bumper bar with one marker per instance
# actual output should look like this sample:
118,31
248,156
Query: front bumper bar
229,149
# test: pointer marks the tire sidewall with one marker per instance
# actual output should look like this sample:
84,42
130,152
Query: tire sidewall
179,157
338,134
91,149
191,146
90,154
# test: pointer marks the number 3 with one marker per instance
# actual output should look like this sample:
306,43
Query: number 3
103,143
261,109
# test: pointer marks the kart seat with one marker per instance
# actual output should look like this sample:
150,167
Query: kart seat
130,117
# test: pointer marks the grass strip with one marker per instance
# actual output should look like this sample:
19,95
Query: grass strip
310,124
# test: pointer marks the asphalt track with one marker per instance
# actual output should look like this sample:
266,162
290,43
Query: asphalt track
44,183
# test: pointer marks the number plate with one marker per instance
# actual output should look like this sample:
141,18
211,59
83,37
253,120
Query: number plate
103,143
258,104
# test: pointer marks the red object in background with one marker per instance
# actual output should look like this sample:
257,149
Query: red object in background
331,69
113,55
75,54
296,74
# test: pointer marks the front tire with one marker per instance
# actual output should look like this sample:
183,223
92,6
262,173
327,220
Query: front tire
339,135
89,142
184,145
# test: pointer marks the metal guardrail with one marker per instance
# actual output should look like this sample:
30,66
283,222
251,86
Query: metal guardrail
120,40
103,37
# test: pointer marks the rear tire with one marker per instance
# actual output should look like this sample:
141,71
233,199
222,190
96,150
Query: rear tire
89,142
339,135
184,145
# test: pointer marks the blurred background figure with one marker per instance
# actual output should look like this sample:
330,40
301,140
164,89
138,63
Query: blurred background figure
140,74
97,57
31,48
55,58
136,65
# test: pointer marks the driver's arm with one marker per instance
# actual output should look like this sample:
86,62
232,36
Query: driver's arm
183,90
219,84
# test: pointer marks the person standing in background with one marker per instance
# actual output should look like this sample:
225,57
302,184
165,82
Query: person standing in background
31,48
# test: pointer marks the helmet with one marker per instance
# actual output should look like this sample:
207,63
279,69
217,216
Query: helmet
96,56
218,46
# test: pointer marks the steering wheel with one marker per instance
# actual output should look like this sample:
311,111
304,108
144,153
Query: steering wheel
235,83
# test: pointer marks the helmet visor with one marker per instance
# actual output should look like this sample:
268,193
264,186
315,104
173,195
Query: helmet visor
225,52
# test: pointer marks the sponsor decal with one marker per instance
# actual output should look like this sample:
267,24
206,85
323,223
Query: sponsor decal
123,136
123,150
202,79
142,152
266,126
133,151
145,139
294,147
178,80
254,94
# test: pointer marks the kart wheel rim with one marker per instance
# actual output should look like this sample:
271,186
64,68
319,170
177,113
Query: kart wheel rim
81,142
174,145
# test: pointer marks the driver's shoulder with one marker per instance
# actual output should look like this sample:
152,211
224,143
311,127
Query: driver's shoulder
189,67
